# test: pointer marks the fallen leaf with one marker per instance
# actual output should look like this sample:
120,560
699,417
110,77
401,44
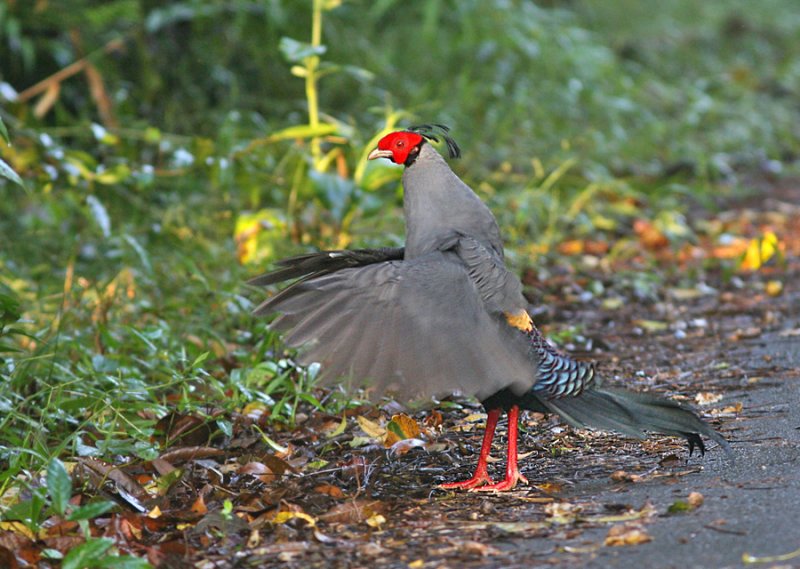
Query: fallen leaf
562,512
622,476
476,548
747,558
626,534
258,470
330,490
434,419
402,447
285,516
651,325
376,521
695,499
774,288
371,428
184,454
403,426
353,511
760,251
707,398
649,235
571,248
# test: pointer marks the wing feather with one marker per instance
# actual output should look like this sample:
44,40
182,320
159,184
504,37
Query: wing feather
417,327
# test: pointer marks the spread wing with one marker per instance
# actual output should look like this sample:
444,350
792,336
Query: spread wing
418,327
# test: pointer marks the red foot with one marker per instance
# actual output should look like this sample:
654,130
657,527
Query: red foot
503,486
513,475
478,479
481,475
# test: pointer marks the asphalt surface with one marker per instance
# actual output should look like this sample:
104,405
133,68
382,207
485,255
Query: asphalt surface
751,503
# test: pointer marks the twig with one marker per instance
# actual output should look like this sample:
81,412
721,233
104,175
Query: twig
68,71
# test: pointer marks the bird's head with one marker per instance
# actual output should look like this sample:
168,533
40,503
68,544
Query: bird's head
403,146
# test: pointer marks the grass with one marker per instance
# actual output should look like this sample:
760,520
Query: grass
124,254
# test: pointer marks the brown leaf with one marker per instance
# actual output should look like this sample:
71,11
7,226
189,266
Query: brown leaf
571,248
97,473
354,511
187,430
185,454
258,470
707,398
622,476
433,419
161,466
330,490
7,558
695,499
199,506
649,235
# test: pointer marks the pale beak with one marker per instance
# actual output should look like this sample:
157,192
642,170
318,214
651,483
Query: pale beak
378,153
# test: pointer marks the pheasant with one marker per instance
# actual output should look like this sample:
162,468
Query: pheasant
444,315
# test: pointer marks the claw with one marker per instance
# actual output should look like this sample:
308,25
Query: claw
478,480
481,475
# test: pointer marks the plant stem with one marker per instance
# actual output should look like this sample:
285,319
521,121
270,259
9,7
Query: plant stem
311,82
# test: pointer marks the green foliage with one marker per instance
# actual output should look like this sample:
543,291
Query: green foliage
199,133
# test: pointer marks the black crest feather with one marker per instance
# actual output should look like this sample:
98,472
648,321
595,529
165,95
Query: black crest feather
435,131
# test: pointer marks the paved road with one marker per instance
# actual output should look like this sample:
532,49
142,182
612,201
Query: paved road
752,504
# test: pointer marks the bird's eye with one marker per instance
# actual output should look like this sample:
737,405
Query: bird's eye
400,144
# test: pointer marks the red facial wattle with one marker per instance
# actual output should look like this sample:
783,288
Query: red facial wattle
397,146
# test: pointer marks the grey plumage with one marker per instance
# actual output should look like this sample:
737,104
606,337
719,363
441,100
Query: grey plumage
417,327
430,318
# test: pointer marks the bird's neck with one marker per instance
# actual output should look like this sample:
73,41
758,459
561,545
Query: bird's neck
438,205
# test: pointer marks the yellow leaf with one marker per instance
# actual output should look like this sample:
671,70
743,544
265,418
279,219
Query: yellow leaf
372,428
626,534
155,513
17,527
283,517
774,288
257,233
403,426
375,521
760,251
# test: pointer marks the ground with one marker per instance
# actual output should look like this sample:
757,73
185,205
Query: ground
729,345
362,492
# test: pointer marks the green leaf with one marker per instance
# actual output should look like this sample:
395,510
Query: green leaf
226,427
90,511
100,215
59,485
29,512
303,131
4,132
8,173
124,562
337,193
295,51
200,359
88,554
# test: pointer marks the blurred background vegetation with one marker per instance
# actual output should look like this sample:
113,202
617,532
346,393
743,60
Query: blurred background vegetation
169,150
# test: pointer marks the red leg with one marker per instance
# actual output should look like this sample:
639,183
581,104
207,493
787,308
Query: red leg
513,475
481,475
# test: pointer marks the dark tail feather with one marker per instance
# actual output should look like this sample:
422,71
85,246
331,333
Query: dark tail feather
633,414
